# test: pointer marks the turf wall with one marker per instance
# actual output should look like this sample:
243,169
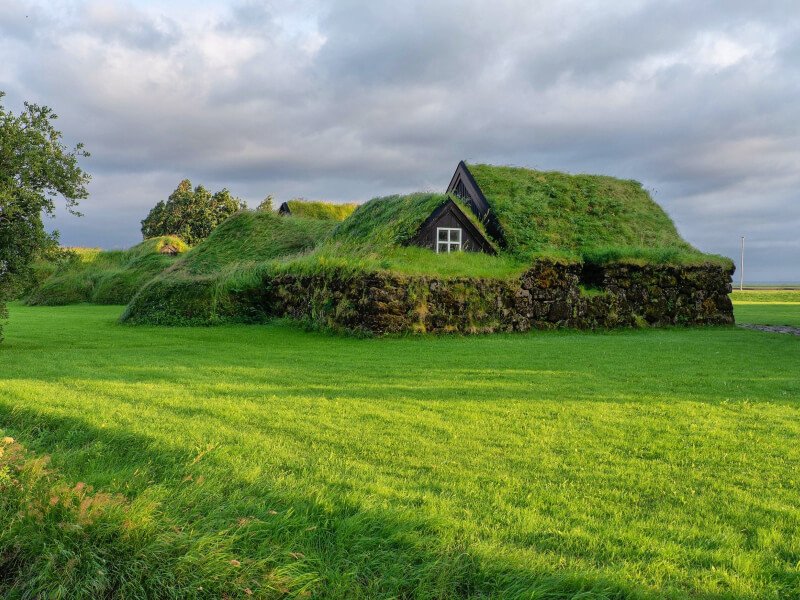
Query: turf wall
548,295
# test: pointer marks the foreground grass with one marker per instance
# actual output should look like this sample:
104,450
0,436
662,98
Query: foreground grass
274,462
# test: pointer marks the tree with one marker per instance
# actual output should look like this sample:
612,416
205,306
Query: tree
190,213
266,204
36,169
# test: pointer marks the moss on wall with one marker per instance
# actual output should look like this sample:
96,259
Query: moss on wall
548,295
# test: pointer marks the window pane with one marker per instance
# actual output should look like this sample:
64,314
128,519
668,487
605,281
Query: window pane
442,235
455,235
455,247
443,247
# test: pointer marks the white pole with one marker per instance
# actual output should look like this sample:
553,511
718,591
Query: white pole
741,268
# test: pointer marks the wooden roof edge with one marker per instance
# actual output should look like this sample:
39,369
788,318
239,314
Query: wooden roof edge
488,218
467,222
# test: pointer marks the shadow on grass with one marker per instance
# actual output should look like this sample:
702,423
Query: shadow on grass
287,544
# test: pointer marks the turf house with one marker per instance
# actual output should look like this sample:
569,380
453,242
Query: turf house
504,249
449,229
316,209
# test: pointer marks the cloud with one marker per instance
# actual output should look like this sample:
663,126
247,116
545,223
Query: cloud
352,99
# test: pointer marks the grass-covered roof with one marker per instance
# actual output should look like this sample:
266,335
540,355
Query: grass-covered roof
253,237
103,276
327,211
542,212
393,220
388,221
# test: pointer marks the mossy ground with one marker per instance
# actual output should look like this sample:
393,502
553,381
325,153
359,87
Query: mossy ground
273,461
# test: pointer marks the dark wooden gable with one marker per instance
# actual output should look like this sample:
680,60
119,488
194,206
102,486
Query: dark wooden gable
463,185
450,215
283,209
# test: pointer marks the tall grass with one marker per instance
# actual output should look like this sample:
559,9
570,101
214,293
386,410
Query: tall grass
103,276
392,221
196,290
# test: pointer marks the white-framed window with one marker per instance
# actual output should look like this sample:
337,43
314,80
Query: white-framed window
448,239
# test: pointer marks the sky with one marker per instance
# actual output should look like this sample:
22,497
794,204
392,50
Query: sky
699,100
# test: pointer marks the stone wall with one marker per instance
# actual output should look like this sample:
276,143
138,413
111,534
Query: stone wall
546,296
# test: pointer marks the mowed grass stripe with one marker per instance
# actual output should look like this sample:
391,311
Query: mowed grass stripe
626,464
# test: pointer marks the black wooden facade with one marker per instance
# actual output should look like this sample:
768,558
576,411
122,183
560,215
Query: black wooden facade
448,229
463,185
283,209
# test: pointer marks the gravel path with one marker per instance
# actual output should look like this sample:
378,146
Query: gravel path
773,328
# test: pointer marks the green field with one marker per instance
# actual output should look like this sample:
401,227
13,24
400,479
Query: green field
766,296
769,314
270,461
768,307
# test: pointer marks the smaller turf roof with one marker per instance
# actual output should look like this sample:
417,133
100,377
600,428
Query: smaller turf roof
251,237
327,211
104,276
552,212
394,220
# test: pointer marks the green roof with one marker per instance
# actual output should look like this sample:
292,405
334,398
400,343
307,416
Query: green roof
393,220
548,211
327,211
249,237
389,220
105,276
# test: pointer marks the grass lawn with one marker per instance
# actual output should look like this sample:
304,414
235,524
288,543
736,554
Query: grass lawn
780,313
272,462
768,307
765,296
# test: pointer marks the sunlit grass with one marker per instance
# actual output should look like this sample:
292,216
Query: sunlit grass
766,296
768,314
633,464
768,307
103,276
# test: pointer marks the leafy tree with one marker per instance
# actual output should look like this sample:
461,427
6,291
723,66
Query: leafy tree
190,213
36,169
266,204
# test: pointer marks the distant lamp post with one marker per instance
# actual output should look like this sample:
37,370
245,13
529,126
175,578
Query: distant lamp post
741,268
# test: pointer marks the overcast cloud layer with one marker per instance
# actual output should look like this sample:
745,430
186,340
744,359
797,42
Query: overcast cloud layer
346,100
